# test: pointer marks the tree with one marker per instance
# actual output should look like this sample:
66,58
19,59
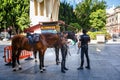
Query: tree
86,8
83,11
98,19
74,27
66,14
23,20
12,12
98,5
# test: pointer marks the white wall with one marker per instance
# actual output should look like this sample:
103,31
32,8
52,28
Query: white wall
51,9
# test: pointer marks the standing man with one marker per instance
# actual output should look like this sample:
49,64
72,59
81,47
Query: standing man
84,39
10,31
64,50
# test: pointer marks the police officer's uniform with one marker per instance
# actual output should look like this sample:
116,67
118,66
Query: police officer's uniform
64,53
84,39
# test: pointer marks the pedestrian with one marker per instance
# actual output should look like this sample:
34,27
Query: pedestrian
84,40
64,50
10,31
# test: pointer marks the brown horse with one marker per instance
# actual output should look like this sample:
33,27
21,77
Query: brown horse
20,42
57,46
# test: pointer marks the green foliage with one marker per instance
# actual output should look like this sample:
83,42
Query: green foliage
97,4
94,34
67,15
91,12
118,6
108,36
74,27
98,19
23,21
13,11
83,11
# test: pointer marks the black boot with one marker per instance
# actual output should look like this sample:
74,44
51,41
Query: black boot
63,71
65,68
88,67
80,68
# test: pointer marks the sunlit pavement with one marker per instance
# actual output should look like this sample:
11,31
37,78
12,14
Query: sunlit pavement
104,59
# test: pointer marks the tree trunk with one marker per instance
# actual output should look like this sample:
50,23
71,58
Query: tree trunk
14,30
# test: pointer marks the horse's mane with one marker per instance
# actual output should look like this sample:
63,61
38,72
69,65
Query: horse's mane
18,37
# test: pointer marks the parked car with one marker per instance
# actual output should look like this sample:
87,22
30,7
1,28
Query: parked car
114,36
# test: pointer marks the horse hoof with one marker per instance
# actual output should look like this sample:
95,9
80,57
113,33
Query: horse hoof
35,60
41,71
44,69
20,68
14,70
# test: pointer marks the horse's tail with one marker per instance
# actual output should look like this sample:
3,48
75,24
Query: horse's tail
16,44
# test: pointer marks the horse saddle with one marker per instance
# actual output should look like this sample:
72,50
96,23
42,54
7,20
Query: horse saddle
33,38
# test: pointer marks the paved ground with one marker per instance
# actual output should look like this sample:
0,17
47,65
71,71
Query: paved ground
105,65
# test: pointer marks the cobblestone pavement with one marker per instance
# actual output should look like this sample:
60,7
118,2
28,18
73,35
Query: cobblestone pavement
104,58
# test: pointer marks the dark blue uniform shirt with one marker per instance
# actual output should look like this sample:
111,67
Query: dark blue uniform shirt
84,39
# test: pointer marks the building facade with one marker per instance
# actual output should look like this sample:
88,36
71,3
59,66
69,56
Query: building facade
44,11
44,15
113,22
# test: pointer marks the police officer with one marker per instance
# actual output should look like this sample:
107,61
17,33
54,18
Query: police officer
64,51
84,39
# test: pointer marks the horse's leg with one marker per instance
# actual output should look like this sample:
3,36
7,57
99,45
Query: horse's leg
41,58
40,61
43,67
35,55
14,59
57,55
18,55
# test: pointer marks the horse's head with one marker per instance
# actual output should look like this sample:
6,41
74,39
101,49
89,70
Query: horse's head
71,35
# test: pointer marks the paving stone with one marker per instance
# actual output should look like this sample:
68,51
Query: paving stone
104,59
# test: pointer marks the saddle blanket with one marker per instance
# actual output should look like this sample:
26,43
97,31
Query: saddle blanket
33,38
